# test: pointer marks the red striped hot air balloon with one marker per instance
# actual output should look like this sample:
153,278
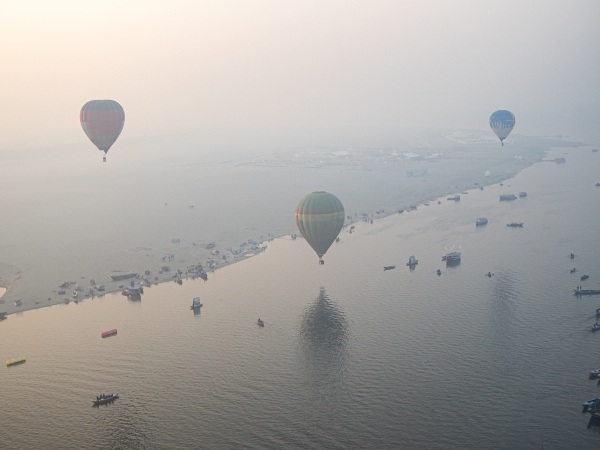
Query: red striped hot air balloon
102,121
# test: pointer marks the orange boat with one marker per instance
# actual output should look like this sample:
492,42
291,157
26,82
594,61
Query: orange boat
109,333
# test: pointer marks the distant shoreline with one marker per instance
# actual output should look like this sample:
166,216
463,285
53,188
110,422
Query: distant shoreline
187,255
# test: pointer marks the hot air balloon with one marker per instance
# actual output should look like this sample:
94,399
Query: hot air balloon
102,121
320,218
502,123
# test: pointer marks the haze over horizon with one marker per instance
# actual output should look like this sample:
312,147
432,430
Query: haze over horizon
266,73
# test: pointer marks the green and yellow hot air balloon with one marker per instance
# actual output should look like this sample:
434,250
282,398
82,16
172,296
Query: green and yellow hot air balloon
320,218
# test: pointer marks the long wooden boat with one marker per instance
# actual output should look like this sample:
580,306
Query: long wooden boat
12,362
109,333
105,399
580,291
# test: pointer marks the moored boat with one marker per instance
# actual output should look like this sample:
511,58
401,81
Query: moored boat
580,291
109,333
123,276
594,373
105,398
12,362
515,224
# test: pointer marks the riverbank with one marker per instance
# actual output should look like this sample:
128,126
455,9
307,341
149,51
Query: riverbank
133,239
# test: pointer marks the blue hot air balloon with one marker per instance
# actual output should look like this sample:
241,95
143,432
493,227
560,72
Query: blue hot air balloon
502,123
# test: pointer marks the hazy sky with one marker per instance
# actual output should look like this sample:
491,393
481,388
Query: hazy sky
239,71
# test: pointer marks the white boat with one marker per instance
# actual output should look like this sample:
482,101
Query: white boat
412,261
481,221
74,294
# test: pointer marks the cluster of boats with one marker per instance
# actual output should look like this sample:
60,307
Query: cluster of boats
450,258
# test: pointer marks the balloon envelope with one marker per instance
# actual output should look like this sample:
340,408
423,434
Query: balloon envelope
502,123
102,121
320,218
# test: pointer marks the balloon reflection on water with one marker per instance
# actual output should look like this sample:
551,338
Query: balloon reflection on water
324,336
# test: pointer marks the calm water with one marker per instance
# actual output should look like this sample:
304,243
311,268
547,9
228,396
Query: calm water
350,356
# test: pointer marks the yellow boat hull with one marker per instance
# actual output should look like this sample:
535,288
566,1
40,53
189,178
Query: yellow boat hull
12,362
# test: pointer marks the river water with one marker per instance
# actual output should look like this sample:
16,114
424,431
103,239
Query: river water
350,356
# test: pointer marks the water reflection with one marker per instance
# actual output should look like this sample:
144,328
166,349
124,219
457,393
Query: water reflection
324,337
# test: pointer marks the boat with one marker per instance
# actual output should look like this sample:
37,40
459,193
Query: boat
522,194
61,292
74,294
109,333
2,315
123,276
480,221
260,323
573,270
388,268
18,303
580,291
451,257
12,362
101,287
412,261
515,224
439,272
508,197
588,403
196,303
594,150
597,184
105,398
489,274
596,327
560,160
572,255
594,373
211,245
584,277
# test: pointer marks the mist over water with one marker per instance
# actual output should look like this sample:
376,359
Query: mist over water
350,355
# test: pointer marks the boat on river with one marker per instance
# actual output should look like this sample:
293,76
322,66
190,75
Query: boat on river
196,303
584,277
594,373
105,398
506,197
580,291
522,194
412,261
15,361
2,315
388,268
452,257
481,221
596,327
109,333
260,323
515,224
123,276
